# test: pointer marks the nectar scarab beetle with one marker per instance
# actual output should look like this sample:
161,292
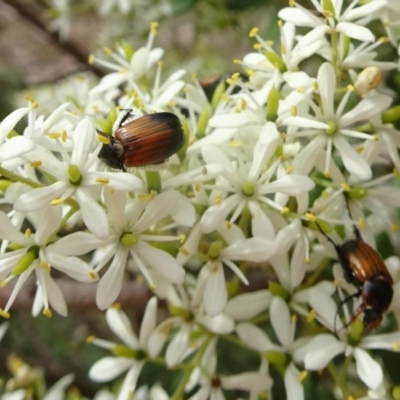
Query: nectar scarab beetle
365,269
147,140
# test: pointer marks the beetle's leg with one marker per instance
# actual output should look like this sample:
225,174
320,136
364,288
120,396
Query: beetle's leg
354,316
128,113
356,231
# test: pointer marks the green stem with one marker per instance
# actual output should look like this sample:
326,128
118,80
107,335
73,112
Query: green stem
180,390
338,380
18,178
312,279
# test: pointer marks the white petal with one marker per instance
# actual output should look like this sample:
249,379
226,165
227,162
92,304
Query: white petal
281,321
352,160
326,81
148,322
15,147
109,81
72,266
109,368
253,249
9,122
116,180
255,338
220,325
9,232
119,323
355,31
128,387
247,305
178,346
184,213
215,294
161,261
322,349
50,219
294,389
93,214
110,283
76,244
54,117
157,209
369,371
216,215
262,226
299,17
83,139
234,120
255,382
160,334
35,199
291,185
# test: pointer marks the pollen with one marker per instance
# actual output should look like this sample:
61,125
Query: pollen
327,174
289,169
394,227
236,61
350,88
182,238
345,187
217,200
302,375
4,314
116,306
184,251
102,180
197,187
108,51
36,164
311,315
153,287
228,224
253,32
90,339
93,275
293,111
294,318
154,28
395,346
56,202
310,217
91,59
284,210
45,265
28,232
47,312
395,172
235,143
54,135
204,171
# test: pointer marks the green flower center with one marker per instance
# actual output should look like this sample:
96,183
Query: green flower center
332,128
74,175
248,188
128,239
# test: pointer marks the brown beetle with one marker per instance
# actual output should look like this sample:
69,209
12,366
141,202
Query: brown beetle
147,140
365,269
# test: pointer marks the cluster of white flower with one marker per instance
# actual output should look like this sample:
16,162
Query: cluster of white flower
274,158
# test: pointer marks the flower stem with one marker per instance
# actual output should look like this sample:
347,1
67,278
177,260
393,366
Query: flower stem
18,178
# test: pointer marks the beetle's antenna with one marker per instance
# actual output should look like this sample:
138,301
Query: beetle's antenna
356,231
337,248
354,316
128,113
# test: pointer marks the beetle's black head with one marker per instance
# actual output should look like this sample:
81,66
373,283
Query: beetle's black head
377,295
112,154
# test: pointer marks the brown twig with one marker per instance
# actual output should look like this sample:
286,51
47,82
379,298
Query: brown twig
80,296
31,14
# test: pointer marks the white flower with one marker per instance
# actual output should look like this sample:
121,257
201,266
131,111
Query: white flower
129,357
34,256
130,223
331,126
75,177
248,184
284,328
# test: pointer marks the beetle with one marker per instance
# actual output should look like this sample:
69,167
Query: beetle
364,268
147,140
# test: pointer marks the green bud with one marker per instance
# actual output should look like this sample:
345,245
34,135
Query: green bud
391,116
202,122
356,331
4,185
332,128
214,249
276,61
328,6
26,261
357,192
277,290
74,174
273,104
121,350
248,188
153,181
217,95
181,313
323,225
128,239
277,358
